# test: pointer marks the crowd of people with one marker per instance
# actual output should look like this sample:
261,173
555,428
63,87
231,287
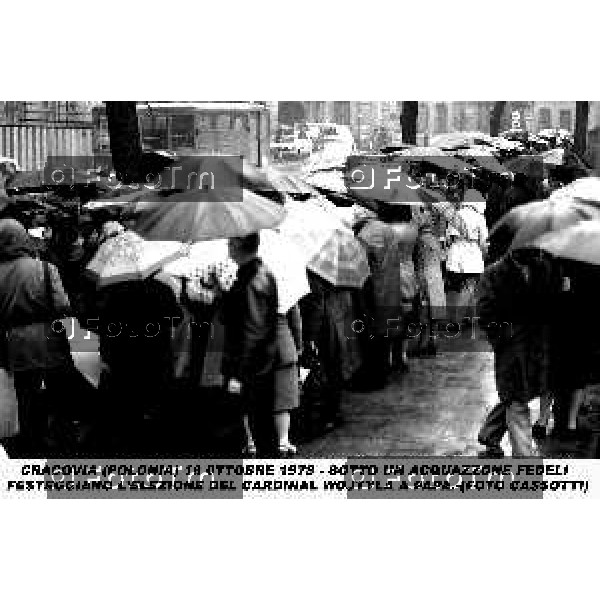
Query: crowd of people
430,264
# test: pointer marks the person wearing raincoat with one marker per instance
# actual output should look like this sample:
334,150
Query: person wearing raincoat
32,297
392,294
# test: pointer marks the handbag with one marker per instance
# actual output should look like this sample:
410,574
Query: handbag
314,384
9,416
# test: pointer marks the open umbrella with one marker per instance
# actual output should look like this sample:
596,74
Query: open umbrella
327,181
128,257
329,247
191,216
447,163
524,224
289,184
580,242
483,157
528,165
421,151
288,265
451,140
586,189
553,157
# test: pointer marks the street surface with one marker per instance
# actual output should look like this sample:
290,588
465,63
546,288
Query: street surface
433,410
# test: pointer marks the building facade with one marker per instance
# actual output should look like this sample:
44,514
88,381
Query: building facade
33,130
370,120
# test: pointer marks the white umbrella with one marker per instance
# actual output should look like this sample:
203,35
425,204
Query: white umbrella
288,265
332,181
586,189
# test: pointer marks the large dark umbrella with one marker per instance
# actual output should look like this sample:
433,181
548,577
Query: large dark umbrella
194,216
524,224
529,165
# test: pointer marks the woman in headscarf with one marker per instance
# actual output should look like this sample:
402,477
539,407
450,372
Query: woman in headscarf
31,299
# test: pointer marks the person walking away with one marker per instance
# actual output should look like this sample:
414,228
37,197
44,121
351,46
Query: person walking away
514,301
432,297
32,348
465,262
390,242
261,350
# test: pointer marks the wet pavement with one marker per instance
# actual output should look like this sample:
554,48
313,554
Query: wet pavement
435,409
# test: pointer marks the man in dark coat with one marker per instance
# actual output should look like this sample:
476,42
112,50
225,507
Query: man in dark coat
514,301
261,347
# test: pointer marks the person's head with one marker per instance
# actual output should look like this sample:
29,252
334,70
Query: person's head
520,180
454,187
394,213
7,173
15,242
243,249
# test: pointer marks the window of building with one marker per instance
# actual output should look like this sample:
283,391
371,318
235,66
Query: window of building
155,133
182,131
544,118
422,117
565,119
441,118
459,116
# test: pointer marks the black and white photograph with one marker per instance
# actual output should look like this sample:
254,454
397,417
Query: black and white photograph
299,279
296,254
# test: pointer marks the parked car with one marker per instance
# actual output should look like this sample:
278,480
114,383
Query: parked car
289,142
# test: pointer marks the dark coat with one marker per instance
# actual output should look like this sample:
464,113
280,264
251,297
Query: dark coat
31,298
250,317
515,303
